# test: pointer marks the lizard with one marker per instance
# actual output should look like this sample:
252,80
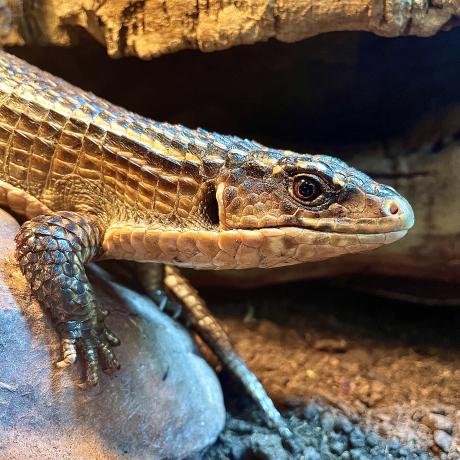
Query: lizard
96,182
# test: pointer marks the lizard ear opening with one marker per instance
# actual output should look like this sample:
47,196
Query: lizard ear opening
211,206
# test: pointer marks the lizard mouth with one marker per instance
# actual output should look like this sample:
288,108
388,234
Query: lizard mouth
238,248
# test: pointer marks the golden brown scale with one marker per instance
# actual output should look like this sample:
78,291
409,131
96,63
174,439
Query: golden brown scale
73,151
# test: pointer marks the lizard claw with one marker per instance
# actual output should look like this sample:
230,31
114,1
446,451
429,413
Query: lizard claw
164,303
93,343
69,353
111,337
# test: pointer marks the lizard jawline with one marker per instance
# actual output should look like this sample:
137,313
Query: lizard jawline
236,249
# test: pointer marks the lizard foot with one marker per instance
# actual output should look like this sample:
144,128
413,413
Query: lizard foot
93,342
52,250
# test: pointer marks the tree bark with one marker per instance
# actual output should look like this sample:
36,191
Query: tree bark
149,28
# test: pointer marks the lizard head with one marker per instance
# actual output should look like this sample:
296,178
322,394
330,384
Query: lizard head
313,192
317,205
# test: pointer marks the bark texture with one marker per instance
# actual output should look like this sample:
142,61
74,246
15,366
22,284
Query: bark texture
149,28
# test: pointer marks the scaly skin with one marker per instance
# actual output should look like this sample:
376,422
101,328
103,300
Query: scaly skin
99,182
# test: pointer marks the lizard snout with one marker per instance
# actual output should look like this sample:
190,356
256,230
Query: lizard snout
398,209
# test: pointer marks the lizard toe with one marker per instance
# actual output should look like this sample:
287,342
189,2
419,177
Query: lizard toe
111,338
89,352
108,358
69,353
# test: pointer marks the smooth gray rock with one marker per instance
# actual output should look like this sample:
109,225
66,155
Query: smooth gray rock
164,403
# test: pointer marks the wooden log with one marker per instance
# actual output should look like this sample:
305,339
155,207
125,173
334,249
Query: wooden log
149,28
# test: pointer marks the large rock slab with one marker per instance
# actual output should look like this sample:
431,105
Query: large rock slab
165,402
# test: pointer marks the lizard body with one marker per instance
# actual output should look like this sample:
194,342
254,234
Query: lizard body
99,182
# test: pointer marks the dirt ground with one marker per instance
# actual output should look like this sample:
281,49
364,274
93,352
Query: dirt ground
390,367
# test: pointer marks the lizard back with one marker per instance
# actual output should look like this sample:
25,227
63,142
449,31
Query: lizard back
71,150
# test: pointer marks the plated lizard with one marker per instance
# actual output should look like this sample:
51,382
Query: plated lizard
96,181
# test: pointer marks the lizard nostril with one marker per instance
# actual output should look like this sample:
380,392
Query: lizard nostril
393,208
398,212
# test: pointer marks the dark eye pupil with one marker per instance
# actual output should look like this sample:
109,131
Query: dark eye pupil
306,189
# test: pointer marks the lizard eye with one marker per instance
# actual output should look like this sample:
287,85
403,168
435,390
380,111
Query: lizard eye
306,188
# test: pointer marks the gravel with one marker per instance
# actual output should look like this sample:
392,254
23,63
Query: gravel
395,382
326,435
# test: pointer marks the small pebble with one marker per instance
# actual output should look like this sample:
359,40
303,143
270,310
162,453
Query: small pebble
372,439
311,412
312,454
403,452
357,438
238,450
438,422
358,454
327,421
338,447
331,345
336,436
343,424
394,445
268,447
443,440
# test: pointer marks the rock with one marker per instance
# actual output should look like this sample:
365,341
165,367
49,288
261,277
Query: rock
372,439
165,402
357,454
343,424
437,422
311,411
357,438
394,445
443,440
311,454
338,447
327,421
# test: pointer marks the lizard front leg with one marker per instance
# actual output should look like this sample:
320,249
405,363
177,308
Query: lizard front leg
52,251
